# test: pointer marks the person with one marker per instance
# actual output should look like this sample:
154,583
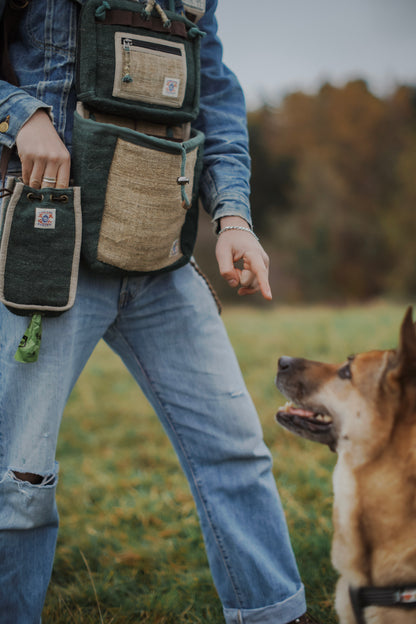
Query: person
167,330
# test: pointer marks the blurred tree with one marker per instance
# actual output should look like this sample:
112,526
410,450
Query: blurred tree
271,175
333,190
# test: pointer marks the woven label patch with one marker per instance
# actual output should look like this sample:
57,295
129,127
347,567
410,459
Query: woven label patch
45,219
171,87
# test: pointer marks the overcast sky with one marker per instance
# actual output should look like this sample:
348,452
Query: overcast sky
277,46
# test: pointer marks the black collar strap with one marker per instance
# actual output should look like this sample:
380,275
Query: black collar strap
362,597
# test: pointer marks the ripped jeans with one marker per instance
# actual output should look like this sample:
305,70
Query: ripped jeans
168,332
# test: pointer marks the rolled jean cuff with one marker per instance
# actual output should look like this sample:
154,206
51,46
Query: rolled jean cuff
278,613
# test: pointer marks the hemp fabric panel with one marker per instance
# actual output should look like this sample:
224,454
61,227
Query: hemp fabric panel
148,69
39,266
143,212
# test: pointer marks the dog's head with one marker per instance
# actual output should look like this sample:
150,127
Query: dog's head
353,405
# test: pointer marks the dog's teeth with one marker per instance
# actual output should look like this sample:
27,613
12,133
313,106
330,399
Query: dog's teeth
287,406
323,418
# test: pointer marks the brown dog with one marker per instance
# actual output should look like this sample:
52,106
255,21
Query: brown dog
365,410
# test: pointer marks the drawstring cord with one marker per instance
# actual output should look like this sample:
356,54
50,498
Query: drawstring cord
208,283
100,13
153,4
100,10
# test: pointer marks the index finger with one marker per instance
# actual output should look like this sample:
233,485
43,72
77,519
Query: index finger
260,270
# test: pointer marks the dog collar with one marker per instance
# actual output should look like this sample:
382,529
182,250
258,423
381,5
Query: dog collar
392,596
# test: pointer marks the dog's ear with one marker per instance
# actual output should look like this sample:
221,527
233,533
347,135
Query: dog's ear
406,353
400,378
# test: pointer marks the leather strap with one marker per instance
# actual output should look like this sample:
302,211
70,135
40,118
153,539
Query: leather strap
130,18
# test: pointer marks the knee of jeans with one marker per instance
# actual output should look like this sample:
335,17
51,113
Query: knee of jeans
28,499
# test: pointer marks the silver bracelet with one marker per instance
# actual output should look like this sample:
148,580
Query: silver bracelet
238,227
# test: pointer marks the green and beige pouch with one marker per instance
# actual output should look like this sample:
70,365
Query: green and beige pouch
40,242
140,205
134,154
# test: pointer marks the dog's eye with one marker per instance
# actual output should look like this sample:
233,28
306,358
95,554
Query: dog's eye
345,372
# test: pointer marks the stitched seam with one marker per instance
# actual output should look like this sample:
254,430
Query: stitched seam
189,462
69,76
45,44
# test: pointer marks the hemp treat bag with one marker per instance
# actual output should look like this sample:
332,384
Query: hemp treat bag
135,155
40,242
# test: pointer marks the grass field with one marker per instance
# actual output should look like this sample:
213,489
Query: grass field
129,548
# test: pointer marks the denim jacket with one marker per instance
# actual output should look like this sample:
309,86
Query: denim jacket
44,60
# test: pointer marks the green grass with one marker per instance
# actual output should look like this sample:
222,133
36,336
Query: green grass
130,548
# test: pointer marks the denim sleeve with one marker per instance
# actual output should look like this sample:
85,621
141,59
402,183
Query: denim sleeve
225,180
16,106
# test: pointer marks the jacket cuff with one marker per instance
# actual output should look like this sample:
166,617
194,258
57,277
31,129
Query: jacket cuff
15,111
229,199
233,207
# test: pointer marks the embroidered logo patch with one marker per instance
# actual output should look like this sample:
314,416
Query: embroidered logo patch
45,219
174,250
171,87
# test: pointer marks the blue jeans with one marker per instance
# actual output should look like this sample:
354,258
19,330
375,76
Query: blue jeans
168,332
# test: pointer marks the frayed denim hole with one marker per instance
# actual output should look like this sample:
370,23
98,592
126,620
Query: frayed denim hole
33,479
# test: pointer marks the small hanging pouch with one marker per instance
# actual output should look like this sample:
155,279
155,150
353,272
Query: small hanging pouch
39,253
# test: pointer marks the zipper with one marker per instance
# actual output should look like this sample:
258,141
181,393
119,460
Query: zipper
149,45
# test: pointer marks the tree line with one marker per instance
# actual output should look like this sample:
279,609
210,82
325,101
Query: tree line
333,195
334,192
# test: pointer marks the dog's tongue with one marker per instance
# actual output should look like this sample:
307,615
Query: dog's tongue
297,411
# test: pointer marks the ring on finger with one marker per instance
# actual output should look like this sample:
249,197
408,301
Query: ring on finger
49,180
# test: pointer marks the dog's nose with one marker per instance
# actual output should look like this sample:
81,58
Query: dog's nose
285,363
